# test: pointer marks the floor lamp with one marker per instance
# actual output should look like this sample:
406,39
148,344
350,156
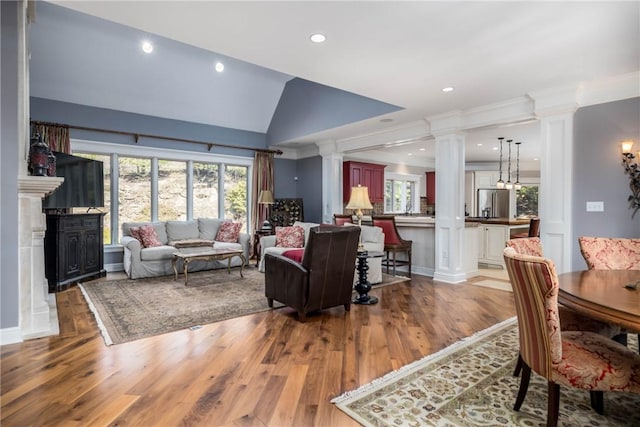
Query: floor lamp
359,200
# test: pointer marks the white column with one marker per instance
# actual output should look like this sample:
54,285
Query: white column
556,108
331,181
38,315
449,244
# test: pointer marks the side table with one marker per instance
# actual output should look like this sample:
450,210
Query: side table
256,242
363,286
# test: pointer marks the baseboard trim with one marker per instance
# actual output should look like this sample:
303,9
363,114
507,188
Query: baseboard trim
115,267
10,335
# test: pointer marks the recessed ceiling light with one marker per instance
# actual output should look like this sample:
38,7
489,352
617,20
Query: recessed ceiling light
447,89
147,47
422,149
495,148
219,67
479,144
409,154
318,38
535,158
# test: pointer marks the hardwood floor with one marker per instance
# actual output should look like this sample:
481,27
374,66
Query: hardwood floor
265,369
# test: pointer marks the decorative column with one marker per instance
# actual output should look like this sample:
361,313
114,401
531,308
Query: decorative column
555,109
449,233
38,315
331,181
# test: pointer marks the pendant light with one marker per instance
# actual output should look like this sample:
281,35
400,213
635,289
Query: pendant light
500,183
508,185
517,184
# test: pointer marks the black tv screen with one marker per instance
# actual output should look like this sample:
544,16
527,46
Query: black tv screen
83,185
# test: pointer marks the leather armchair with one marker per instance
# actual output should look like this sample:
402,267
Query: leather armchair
324,279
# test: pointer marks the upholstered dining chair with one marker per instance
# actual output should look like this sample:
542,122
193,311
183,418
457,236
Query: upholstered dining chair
611,253
570,320
323,279
341,219
393,243
579,359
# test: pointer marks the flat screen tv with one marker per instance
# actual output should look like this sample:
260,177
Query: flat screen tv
83,185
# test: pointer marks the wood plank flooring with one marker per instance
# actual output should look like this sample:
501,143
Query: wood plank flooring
265,369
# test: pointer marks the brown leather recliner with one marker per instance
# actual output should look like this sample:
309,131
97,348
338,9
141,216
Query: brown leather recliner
324,278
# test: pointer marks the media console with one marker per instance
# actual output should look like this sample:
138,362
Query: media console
73,249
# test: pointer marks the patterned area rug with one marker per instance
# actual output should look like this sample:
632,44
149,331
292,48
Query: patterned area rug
471,384
128,310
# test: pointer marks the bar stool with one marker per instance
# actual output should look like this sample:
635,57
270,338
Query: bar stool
393,243
534,230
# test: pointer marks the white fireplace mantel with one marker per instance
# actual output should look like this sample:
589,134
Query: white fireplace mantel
38,313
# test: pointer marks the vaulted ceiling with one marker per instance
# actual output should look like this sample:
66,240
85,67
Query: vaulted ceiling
399,53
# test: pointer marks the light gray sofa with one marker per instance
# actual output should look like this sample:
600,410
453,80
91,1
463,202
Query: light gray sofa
372,239
156,261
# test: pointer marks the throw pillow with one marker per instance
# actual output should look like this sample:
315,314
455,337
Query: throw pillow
294,254
290,237
135,233
149,236
228,232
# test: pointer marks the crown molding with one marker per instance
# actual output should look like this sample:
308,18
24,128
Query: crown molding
558,100
608,90
401,134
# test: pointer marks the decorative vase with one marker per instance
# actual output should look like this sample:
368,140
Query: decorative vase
38,156
51,169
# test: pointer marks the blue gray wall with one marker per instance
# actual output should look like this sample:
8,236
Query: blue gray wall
598,174
301,179
9,158
306,107
82,115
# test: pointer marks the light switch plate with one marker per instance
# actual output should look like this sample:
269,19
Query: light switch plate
595,206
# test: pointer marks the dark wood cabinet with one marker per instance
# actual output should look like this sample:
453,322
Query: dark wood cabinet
284,212
368,175
73,249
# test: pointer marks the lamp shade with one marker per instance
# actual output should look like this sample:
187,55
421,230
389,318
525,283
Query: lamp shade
359,198
626,146
266,197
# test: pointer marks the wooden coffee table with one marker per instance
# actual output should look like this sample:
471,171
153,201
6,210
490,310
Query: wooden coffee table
208,254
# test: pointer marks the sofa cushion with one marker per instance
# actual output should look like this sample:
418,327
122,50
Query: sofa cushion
135,233
157,253
228,232
368,233
182,230
290,237
208,228
294,254
228,245
306,226
149,236
160,228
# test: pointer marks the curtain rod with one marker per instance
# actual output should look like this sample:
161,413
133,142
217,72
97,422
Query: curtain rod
210,145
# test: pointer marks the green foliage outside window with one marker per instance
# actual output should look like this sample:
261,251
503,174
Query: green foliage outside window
527,201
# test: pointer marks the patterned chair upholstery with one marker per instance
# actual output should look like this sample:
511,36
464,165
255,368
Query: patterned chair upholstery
610,253
578,359
569,319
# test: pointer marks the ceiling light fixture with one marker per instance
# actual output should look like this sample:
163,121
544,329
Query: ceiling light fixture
219,67
509,185
447,89
318,38
147,47
517,184
479,144
500,183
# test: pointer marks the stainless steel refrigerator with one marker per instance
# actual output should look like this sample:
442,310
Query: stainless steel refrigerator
493,203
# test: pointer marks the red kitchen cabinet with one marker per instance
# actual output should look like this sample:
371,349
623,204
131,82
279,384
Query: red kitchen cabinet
366,174
431,188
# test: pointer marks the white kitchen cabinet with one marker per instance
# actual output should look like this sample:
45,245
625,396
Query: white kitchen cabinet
487,179
491,241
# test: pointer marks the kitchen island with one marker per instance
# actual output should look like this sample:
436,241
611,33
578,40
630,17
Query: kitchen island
493,233
421,230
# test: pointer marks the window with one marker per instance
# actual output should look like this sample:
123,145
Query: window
155,184
172,190
527,201
205,190
134,190
401,193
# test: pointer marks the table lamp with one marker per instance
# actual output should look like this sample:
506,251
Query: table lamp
359,200
266,198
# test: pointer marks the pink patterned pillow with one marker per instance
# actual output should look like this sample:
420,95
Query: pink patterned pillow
290,237
294,254
135,233
149,236
228,232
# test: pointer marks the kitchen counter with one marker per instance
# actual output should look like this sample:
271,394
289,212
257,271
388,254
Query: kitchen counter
499,221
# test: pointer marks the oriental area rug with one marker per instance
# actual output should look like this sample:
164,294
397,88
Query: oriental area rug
471,383
127,310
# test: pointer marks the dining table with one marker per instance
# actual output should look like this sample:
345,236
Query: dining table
607,295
